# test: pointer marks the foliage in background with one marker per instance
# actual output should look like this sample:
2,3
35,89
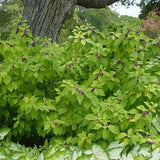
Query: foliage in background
91,89
99,18
151,25
124,21
10,13
149,6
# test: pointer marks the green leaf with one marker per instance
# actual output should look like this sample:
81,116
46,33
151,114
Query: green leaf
98,152
10,88
99,92
17,156
7,80
14,85
85,157
132,99
77,152
135,149
97,126
80,98
155,154
91,117
120,136
40,157
59,155
83,42
106,134
156,123
145,151
86,103
3,155
115,153
114,144
128,157
113,129
4,132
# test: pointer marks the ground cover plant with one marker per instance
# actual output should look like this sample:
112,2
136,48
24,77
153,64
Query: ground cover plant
115,150
89,92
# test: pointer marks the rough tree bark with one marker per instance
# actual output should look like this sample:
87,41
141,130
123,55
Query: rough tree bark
46,17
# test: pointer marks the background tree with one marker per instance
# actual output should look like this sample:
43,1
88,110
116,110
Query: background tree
122,21
99,18
10,13
148,6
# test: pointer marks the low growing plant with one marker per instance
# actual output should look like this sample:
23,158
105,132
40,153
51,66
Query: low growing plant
114,151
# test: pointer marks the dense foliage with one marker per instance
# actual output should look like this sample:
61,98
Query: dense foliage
96,95
91,89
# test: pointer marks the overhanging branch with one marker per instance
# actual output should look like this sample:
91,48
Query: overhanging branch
95,3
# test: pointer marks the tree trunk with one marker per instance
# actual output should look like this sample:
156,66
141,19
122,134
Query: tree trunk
46,17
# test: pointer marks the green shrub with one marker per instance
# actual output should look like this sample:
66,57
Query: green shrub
89,89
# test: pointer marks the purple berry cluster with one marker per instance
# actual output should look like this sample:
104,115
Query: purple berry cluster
150,142
11,45
136,64
93,31
145,113
138,31
126,35
17,29
23,58
47,53
72,40
140,50
158,43
21,97
107,125
24,33
92,90
13,65
55,123
33,43
69,65
145,134
142,40
98,75
120,62
79,91
98,56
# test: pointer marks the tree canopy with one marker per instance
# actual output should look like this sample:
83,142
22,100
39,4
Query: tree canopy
148,6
